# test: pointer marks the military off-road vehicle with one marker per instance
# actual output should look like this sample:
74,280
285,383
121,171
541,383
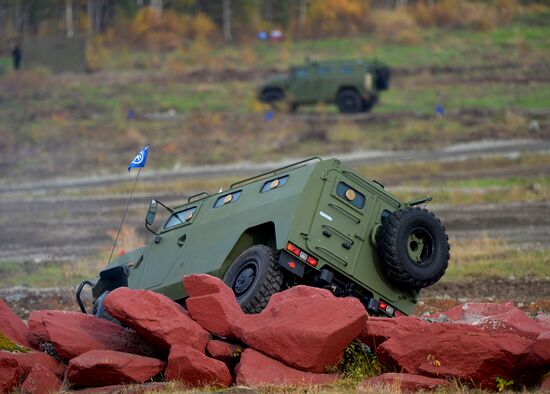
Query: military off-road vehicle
353,85
315,222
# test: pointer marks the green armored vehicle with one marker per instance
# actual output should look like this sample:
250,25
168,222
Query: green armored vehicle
353,85
315,222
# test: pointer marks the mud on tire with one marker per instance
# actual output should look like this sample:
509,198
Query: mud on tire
254,277
414,247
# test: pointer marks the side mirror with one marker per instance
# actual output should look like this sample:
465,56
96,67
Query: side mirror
151,212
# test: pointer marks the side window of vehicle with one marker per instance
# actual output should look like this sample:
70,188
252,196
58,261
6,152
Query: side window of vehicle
323,71
180,217
274,184
227,199
300,73
349,194
346,70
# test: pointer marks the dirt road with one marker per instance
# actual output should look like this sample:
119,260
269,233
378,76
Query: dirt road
475,149
65,228
43,227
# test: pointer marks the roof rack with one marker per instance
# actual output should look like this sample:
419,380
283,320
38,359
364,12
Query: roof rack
248,180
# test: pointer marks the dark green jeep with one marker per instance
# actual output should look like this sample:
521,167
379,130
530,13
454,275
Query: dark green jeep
315,222
353,85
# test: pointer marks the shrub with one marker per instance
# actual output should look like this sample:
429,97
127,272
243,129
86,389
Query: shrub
395,27
336,16
169,31
358,363
457,13
506,10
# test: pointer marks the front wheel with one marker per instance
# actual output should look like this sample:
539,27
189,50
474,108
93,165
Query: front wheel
254,277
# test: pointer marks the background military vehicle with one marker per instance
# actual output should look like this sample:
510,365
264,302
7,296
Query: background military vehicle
314,222
353,85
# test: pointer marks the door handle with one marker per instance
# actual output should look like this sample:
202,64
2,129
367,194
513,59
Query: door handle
181,240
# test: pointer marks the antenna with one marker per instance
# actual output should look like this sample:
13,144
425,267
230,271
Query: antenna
124,216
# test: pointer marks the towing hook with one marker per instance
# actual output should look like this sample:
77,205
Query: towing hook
78,291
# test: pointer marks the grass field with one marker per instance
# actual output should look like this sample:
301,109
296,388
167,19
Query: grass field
492,85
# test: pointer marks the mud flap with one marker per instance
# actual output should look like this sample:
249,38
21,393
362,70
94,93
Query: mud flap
292,264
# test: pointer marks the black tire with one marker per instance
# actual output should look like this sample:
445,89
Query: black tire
272,96
414,247
254,277
99,309
349,102
369,103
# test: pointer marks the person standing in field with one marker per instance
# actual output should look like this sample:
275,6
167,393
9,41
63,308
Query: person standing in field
16,56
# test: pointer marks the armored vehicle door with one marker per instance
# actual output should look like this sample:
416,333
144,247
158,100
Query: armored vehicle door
302,85
162,254
338,229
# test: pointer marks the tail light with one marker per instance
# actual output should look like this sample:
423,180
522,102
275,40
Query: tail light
296,251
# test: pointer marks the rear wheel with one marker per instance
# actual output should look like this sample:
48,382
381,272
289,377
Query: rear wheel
254,277
414,247
349,102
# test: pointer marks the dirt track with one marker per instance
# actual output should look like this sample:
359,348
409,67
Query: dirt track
65,228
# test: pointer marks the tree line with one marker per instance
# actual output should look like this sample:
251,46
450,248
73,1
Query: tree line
232,18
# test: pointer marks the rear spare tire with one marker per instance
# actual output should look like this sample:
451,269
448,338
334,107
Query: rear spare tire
254,277
414,247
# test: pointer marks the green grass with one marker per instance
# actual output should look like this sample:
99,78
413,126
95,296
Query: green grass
5,65
47,274
438,47
77,125
496,258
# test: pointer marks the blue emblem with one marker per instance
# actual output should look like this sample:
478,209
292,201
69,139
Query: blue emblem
140,159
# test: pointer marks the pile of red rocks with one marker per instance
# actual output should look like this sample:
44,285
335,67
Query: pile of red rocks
302,333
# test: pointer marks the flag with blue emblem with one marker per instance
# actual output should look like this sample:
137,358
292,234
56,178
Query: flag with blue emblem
140,159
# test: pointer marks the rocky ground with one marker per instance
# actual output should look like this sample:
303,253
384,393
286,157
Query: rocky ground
213,343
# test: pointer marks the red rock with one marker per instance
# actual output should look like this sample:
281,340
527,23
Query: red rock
256,369
12,326
398,382
541,347
304,327
223,351
212,304
543,319
74,333
474,311
195,369
464,352
512,322
10,374
156,318
27,360
503,318
379,329
40,380
129,388
107,367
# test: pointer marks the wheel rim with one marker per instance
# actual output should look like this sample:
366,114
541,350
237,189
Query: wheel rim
350,103
420,246
245,278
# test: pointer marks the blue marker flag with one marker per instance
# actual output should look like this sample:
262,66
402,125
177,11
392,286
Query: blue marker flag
140,159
